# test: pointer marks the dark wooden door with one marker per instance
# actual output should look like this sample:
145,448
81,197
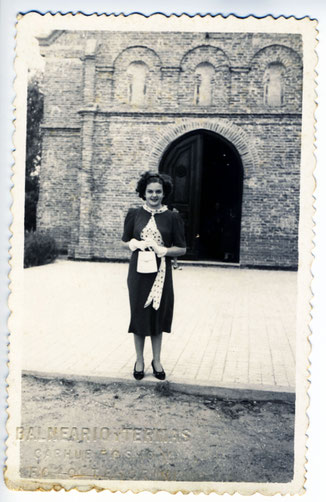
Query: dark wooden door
207,177
183,163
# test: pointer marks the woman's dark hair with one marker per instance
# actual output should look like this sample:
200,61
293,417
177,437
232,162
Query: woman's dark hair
152,177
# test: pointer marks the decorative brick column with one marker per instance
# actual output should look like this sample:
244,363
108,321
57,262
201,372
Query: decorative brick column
104,79
169,93
239,91
84,248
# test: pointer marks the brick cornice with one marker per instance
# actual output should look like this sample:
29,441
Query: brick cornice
171,69
88,57
88,111
49,39
61,127
240,69
193,114
105,68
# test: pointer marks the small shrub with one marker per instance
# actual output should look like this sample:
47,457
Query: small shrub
40,249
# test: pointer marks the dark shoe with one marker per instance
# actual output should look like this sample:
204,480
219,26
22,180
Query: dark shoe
138,375
158,374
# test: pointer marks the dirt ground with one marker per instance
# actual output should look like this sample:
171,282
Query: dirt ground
74,430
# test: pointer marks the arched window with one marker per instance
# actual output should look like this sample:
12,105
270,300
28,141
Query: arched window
274,84
203,88
137,72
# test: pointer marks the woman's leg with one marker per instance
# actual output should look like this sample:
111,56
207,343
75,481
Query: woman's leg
139,346
156,348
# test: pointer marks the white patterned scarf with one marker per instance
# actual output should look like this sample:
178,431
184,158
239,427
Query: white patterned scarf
150,231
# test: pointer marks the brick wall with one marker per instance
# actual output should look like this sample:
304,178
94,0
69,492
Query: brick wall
270,208
58,181
96,143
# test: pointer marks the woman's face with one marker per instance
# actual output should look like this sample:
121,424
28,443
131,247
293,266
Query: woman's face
154,195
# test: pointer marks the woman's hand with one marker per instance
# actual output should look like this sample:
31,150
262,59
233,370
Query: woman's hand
135,244
160,251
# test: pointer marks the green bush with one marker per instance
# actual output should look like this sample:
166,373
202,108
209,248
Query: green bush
40,249
35,101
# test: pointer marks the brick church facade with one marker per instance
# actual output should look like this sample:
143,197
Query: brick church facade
219,112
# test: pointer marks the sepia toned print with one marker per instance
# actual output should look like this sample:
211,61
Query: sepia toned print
220,113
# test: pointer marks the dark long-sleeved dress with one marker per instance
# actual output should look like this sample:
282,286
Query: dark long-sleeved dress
148,321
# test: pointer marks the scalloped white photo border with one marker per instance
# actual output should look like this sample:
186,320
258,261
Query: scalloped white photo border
33,24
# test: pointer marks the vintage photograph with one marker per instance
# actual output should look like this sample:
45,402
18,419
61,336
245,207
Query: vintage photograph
163,221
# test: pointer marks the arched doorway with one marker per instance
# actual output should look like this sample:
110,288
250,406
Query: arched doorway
208,177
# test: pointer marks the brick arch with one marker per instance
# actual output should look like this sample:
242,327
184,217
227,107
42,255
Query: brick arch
277,53
204,53
137,53
224,128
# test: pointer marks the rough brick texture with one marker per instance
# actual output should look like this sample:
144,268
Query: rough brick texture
96,142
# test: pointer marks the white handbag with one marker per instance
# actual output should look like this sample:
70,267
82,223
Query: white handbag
146,263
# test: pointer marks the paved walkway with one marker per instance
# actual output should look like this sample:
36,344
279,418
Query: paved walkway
232,327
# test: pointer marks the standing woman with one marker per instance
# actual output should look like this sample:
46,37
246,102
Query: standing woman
152,227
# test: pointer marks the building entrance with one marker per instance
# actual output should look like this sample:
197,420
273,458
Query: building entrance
207,173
